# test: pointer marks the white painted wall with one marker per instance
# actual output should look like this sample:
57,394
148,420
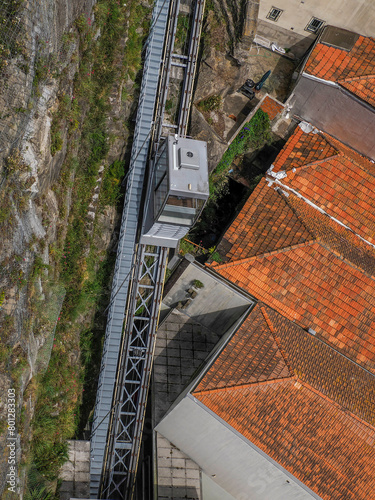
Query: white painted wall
353,15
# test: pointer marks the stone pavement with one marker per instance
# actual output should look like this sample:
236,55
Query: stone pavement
75,473
178,475
182,345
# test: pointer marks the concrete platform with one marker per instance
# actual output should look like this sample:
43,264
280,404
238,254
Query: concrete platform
75,473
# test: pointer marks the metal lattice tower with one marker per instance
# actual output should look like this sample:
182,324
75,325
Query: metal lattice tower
127,239
134,373
139,274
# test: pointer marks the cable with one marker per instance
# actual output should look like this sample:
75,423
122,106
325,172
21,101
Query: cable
102,420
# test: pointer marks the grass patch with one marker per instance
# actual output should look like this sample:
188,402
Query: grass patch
182,31
253,135
187,247
225,193
111,187
212,103
198,284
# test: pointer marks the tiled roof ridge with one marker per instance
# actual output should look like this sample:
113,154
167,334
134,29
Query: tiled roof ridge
250,203
318,162
301,148
319,239
317,338
355,78
265,254
253,230
321,210
326,350
334,403
336,143
276,338
337,254
244,386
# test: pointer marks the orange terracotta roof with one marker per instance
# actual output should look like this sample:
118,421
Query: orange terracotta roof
256,230
309,284
342,184
362,88
336,237
314,414
353,69
329,451
304,149
271,107
252,355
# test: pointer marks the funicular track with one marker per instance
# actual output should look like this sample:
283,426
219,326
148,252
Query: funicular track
139,274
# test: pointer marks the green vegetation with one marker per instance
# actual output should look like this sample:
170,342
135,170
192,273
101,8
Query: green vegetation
187,247
182,31
14,193
198,284
253,135
38,267
215,256
168,105
211,103
54,419
56,141
111,187
15,163
41,72
10,45
62,406
66,112
37,489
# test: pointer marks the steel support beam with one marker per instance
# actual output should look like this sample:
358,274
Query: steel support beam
134,371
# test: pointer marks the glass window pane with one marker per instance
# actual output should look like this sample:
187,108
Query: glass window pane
274,14
161,193
161,164
181,210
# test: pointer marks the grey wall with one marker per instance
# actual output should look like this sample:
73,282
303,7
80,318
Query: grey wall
353,15
230,460
212,491
331,110
217,306
285,38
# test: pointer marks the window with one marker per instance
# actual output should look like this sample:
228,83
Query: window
314,25
181,210
274,14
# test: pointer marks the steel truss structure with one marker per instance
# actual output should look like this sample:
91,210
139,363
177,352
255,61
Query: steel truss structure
124,266
134,373
139,272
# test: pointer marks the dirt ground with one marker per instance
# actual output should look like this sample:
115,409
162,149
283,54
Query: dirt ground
220,74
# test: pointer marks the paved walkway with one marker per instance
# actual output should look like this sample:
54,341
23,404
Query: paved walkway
181,347
75,473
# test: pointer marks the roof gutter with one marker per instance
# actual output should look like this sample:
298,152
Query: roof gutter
320,80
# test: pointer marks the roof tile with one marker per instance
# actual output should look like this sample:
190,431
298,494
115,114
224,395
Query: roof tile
254,230
343,185
310,423
346,67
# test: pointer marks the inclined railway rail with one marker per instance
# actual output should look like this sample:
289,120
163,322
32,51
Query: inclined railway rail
139,271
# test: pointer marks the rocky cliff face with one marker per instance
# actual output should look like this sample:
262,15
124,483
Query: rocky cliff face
43,61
